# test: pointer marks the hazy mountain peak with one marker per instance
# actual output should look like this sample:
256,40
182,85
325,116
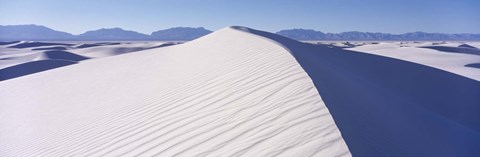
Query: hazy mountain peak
302,34
180,33
31,32
113,34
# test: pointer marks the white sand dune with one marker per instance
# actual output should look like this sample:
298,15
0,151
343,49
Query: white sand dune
241,92
230,93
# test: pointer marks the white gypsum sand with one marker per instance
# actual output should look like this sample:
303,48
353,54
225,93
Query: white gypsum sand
10,55
413,52
229,93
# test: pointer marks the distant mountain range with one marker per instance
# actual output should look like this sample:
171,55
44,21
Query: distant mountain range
37,32
308,34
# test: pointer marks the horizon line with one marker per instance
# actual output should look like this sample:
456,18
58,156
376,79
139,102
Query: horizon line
230,26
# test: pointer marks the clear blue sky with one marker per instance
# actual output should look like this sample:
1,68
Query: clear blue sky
146,16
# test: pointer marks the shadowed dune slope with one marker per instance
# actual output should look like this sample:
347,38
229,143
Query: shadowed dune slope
31,67
389,107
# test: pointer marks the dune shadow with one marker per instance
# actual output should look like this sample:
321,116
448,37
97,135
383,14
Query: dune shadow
473,65
163,45
461,49
97,44
51,48
31,67
64,55
88,45
390,107
404,108
108,43
122,50
8,58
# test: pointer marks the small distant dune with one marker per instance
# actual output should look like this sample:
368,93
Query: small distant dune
31,67
100,52
109,43
467,46
96,44
44,55
61,55
8,42
163,45
104,50
87,45
465,49
37,44
51,48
